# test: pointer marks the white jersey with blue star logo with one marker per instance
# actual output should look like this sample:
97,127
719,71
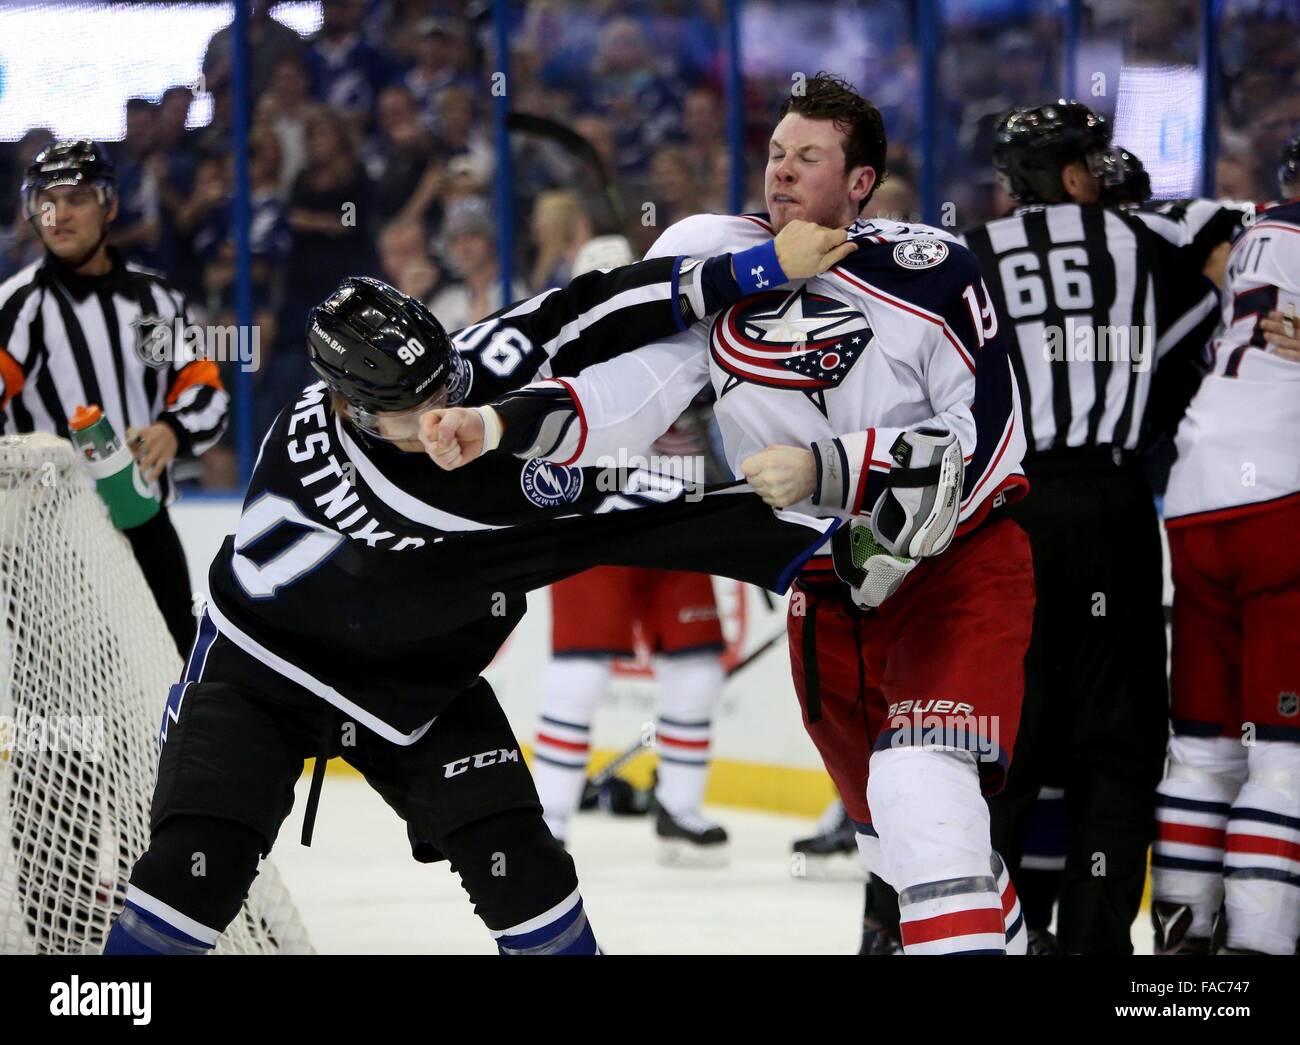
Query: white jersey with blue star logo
900,335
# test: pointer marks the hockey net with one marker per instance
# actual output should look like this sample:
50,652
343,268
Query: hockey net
85,665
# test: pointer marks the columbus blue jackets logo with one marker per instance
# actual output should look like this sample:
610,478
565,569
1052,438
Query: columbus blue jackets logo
805,341
550,485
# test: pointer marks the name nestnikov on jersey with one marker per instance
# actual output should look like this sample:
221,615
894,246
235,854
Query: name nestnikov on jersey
1237,444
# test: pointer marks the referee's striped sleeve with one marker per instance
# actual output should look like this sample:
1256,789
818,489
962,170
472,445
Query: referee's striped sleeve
18,296
197,405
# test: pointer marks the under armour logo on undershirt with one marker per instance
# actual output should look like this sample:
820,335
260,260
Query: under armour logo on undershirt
760,282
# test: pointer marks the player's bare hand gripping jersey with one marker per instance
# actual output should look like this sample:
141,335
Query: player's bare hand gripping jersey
384,585
1237,446
899,335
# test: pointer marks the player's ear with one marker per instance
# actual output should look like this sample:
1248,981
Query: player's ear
860,186
110,215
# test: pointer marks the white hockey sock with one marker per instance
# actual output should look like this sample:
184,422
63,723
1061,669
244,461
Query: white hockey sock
689,687
1262,864
933,824
1192,804
574,686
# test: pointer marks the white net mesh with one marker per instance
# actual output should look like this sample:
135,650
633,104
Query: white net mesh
85,664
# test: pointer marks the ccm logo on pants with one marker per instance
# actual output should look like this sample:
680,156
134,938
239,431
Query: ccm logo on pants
483,758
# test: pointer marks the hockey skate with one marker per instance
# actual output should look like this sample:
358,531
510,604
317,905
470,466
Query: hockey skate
690,840
1171,922
1043,942
832,853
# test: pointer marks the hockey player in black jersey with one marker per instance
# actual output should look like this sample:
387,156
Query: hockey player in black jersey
364,591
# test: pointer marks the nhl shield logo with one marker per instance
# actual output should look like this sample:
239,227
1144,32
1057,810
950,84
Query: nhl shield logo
550,485
154,339
1288,704
920,253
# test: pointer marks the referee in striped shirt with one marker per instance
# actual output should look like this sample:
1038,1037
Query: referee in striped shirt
74,329
1093,297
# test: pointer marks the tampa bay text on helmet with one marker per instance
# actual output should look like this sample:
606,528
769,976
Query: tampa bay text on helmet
160,341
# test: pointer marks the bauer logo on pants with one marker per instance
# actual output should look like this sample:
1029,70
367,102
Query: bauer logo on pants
550,485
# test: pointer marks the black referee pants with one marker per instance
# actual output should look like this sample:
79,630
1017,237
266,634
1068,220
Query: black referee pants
158,550
1096,711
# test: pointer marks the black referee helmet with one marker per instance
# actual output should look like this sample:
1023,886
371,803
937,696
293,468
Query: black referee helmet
1031,145
382,351
1124,180
72,161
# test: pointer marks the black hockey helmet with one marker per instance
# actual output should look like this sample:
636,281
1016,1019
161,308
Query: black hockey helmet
1124,180
383,351
72,161
1288,171
1031,145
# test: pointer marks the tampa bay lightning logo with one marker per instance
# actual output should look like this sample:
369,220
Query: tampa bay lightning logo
550,485
805,342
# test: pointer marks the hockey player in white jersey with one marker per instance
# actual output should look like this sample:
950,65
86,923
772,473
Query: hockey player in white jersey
1229,806
880,394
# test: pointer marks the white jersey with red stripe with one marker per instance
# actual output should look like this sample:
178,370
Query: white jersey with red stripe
1237,442
900,335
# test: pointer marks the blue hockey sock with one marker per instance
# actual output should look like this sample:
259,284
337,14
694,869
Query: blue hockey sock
563,929
155,931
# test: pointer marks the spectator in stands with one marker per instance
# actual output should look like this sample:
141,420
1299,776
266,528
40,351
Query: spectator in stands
624,86
19,243
214,240
329,213
459,131
401,159
703,128
348,72
1234,178
215,138
137,230
443,57
173,164
284,107
559,226
675,186
894,200
471,254
406,262
268,41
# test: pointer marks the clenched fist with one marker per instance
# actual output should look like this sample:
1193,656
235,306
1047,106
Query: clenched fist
804,249
1280,332
782,475
457,435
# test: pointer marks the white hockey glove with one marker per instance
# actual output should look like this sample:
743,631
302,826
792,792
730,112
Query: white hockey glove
914,517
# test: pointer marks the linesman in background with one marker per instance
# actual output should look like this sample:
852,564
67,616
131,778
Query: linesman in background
71,327
1096,297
